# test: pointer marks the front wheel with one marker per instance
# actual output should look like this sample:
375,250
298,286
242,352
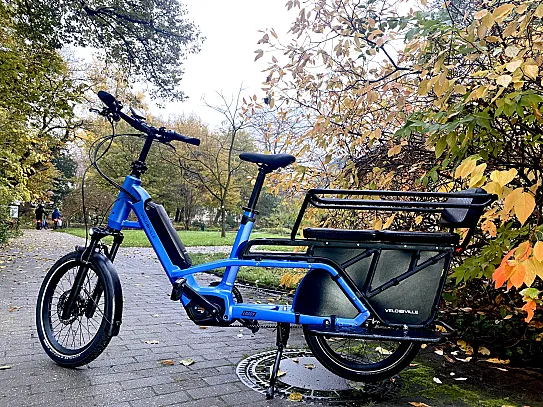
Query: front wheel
361,359
80,337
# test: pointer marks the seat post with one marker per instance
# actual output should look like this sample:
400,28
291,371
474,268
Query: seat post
259,183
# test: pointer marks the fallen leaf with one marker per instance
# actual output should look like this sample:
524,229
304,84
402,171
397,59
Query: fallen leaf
460,378
152,342
167,362
418,404
382,351
484,351
14,308
5,367
295,360
439,352
436,380
203,327
423,346
449,359
413,364
187,362
281,373
498,361
309,366
295,397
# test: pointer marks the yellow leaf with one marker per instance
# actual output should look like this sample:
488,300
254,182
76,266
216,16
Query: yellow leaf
484,351
377,224
510,200
531,271
465,168
478,93
418,220
531,71
394,150
295,397
513,65
524,206
416,403
538,267
389,221
490,227
494,188
480,14
503,11
503,177
504,80
539,11
538,251
498,361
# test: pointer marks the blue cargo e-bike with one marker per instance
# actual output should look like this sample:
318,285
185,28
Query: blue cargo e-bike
367,302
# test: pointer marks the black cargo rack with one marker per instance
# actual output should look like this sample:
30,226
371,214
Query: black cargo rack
471,203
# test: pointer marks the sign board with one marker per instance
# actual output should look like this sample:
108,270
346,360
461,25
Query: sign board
13,211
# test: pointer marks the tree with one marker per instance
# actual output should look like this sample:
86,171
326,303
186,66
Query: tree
215,164
37,96
457,106
148,38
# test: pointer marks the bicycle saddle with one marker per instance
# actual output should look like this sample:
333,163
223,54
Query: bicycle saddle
268,162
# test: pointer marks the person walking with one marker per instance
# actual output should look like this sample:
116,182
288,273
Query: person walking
40,215
56,215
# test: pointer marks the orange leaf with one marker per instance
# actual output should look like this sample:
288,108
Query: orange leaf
499,274
517,277
529,307
524,206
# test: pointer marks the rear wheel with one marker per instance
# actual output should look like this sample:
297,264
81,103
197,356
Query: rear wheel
361,359
80,337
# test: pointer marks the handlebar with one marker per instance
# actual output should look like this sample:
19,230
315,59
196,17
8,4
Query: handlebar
161,134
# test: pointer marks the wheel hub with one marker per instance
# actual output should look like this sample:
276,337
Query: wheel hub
77,310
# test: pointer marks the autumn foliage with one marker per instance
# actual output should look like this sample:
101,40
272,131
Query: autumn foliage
431,97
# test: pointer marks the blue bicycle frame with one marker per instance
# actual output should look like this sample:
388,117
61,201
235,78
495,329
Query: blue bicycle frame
118,220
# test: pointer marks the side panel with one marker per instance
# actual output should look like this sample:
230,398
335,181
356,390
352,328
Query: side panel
402,285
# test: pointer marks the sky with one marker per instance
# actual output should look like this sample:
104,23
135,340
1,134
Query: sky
226,60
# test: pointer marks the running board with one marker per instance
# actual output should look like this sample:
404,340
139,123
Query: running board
377,333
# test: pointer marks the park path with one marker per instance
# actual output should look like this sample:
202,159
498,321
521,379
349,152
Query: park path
128,373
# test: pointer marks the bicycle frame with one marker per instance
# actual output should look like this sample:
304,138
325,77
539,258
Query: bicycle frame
118,220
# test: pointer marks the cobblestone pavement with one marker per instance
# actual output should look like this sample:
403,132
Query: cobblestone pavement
128,373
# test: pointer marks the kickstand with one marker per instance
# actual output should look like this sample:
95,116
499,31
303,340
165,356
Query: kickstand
283,331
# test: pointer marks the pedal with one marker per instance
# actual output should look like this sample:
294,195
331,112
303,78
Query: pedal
251,324
177,290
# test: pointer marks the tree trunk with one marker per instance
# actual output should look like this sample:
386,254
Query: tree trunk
223,221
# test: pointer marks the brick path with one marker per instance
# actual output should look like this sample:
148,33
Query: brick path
128,373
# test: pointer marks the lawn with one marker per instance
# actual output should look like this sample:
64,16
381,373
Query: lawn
137,238
259,276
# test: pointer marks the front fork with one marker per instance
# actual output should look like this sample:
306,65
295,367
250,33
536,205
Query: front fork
98,233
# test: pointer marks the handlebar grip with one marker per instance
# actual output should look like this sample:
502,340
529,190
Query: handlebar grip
109,101
172,135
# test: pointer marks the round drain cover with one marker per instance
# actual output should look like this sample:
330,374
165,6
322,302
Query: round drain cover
301,373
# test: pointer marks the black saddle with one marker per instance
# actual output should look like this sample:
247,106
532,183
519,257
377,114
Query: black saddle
268,162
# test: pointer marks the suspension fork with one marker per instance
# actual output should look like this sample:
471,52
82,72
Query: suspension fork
99,288
80,276
97,235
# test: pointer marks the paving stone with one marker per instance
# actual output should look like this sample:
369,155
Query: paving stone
128,373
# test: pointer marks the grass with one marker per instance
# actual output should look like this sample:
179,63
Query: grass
137,238
419,381
259,276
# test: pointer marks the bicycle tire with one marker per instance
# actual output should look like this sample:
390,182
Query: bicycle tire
352,365
92,318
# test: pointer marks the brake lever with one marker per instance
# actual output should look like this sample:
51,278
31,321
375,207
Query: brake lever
106,112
